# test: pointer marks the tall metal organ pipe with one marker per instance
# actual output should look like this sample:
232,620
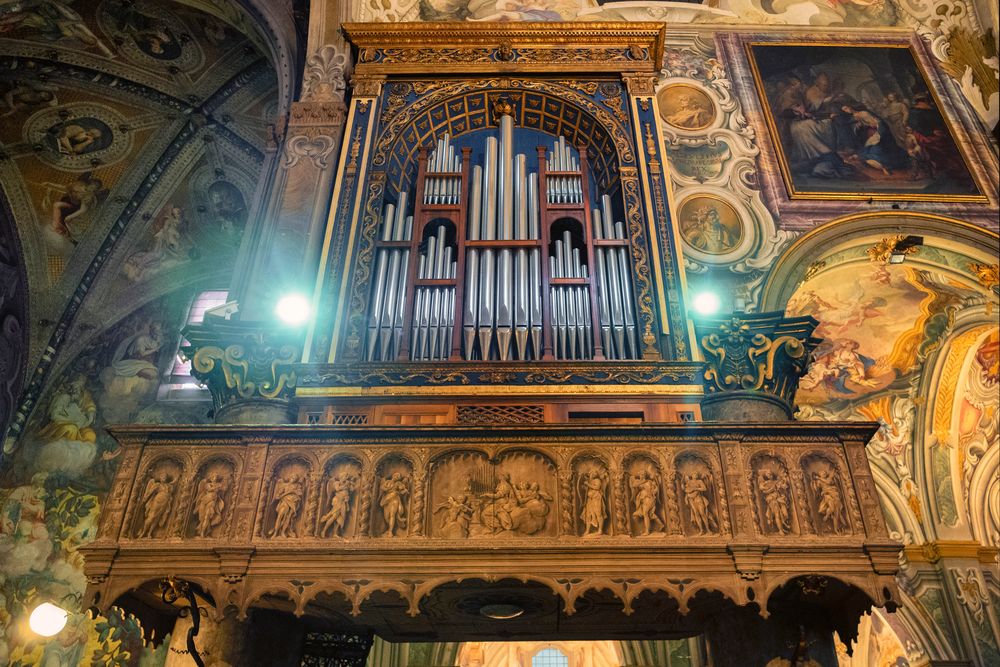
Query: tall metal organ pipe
501,310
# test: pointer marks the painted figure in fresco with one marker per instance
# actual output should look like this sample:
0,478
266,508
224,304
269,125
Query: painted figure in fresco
646,489
696,499
704,230
75,139
340,491
394,490
29,95
156,503
228,208
839,364
210,503
288,494
150,34
79,197
169,246
690,113
457,516
594,508
773,487
52,20
831,505
71,414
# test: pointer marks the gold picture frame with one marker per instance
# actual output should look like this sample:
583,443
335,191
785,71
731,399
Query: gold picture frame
856,173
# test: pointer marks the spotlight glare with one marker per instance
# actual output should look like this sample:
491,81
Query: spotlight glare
47,619
293,309
706,303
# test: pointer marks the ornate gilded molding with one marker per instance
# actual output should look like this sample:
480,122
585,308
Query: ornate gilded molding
988,275
496,373
531,47
242,362
763,354
887,247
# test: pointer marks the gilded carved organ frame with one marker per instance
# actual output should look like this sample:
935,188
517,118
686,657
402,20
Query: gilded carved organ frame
589,88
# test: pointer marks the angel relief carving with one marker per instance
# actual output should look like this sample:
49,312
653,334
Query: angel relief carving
697,490
472,497
771,482
287,498
644,489
591,496
827,498
157,498
340,489
211,497
394,491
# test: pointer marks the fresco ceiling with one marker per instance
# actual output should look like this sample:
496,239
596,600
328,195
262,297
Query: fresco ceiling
107,105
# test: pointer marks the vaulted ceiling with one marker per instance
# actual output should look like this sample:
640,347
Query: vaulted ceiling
132,133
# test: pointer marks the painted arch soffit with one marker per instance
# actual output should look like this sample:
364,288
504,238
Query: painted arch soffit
93,101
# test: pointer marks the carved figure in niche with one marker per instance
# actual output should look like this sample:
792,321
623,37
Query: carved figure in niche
772,483
826,485
341,494
457,515
289,491
156,499
520,508
591,498
645,487
394,490
210,503
696,499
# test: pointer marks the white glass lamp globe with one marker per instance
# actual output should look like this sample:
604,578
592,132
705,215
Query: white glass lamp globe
706,303
47,619
293,309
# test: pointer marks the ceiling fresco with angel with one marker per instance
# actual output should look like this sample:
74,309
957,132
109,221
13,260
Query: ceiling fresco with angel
107,105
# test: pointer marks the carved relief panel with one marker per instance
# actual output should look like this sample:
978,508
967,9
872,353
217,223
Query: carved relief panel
591,496
772,489
286,497
522,500
695,485
458,482
645,494
338,498
394,493
212,498
825,492
157,499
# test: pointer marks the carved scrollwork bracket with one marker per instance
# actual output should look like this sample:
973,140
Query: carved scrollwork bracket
757,357
244,363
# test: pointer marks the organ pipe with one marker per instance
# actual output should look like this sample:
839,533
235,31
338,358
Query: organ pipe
498,305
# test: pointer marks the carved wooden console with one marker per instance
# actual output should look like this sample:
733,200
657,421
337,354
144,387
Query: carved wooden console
334,517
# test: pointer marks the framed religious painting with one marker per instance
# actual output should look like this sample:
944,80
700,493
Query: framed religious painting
858,121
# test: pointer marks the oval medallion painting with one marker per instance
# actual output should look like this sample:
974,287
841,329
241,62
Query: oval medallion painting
710,225
686,107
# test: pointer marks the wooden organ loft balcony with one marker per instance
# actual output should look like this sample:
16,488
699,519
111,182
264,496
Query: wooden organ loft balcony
597,530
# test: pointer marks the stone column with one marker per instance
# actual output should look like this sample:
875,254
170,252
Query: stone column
248,367
754,365
292,221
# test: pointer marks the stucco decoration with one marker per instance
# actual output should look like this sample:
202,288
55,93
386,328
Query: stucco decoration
720,214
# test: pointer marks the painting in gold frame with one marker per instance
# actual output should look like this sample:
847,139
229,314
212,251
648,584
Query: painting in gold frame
858,121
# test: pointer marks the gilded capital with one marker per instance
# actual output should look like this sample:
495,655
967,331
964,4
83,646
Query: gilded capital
245,364
756,360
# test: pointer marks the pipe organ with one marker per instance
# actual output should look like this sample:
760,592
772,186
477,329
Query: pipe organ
509,259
